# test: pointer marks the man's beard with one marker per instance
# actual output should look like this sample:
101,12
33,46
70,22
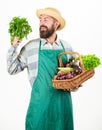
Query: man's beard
46,33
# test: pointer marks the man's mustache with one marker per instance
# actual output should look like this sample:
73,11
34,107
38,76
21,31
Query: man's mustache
43,26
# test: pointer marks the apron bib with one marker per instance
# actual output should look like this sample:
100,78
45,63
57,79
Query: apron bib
49,108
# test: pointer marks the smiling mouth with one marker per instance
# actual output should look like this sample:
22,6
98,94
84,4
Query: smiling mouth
42,28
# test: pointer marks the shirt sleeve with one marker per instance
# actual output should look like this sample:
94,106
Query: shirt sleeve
16,62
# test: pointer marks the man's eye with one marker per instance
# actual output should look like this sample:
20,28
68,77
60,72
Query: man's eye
45,19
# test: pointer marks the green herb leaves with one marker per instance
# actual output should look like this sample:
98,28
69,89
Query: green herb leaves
90,61
19,27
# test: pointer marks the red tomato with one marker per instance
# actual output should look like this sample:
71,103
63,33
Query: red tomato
67,65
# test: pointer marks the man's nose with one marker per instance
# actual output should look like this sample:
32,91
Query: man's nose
42,22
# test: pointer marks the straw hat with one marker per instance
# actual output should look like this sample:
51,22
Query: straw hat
53,13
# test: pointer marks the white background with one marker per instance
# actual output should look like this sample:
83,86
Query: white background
83,31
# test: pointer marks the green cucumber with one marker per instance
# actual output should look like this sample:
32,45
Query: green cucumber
66,69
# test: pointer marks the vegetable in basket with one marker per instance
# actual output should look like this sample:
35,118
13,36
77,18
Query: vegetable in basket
72,69
19,27
90,61
83,69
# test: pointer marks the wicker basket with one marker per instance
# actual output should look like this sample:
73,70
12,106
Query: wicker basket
76,82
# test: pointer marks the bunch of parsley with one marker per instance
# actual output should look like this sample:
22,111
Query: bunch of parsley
19,27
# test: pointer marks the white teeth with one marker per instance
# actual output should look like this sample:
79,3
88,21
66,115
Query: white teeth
43,28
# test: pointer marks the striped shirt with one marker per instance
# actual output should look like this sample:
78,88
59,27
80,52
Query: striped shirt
28,56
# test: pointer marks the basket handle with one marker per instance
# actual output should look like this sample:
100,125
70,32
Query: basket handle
70,52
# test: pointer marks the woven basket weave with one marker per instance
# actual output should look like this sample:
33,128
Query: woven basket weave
76,82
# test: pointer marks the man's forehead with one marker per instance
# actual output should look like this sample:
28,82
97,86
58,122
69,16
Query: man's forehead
45,16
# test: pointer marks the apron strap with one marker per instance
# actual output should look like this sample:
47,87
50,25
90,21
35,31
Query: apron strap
62,45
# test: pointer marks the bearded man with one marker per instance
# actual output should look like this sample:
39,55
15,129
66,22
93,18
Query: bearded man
49,108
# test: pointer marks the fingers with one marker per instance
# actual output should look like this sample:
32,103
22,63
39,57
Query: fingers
16,41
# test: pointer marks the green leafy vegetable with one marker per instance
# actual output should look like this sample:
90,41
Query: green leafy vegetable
19,27
90,61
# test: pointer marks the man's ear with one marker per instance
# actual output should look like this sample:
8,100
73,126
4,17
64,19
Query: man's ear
57,24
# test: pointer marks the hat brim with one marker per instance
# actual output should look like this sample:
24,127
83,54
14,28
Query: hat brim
52,13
